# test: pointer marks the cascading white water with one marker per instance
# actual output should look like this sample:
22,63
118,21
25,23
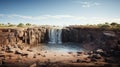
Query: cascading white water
55,35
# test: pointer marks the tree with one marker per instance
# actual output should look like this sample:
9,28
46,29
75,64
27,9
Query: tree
113,24
20,25
28,24
105,25
0,24
118,25
9,23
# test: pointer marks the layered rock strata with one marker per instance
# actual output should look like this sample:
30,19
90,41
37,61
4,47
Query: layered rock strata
30,36
90,38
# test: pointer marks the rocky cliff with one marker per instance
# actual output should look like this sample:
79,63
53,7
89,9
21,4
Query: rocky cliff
95,37
102,47
30,36
92,38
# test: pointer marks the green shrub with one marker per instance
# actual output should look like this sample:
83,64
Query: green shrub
113,24
28,24
20,25
105,25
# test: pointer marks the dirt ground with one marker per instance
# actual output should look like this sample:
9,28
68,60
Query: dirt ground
12,56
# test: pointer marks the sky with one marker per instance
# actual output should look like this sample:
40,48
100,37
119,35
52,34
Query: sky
59,12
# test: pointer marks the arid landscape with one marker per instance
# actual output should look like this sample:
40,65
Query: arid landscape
59,33
46,46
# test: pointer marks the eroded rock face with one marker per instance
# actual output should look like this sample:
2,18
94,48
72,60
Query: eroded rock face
28,36
90,38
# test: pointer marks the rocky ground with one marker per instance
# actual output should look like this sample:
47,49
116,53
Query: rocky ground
26,56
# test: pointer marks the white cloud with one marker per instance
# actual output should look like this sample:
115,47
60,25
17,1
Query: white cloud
19,16
60,19
59,16
89,4
38,17
1,15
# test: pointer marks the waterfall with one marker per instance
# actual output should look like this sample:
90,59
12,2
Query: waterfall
55,35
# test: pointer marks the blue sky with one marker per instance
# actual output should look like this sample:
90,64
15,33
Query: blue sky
59,12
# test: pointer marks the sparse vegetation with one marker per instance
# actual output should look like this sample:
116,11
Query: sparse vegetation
20,25
106,25
28,24
15,25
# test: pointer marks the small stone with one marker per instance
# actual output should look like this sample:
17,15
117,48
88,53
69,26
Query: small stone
79,52
24,54
99,51
43,56
2,52
96,56
78,60
30,50
9,46
45,51
91,52
87,60
2,55
33,65
21,47
48,60
11,50
18,52
15,46
69,52
38,54
93,59
34,56
10,56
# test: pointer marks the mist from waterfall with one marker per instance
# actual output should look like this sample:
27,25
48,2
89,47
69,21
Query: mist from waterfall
55,35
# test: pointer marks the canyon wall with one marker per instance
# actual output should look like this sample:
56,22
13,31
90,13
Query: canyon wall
92,38
95,37
29,36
